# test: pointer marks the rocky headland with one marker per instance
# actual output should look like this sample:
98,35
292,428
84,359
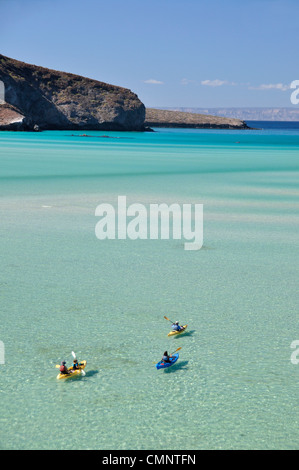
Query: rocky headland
37,98
166,118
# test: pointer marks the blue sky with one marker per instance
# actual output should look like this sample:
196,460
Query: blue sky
189,53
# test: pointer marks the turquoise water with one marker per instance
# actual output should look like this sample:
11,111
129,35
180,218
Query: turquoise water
63,290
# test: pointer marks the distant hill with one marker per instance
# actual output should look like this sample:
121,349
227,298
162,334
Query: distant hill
171,118
40,98
248,114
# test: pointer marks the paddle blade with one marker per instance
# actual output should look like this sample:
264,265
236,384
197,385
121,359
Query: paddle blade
176,350
57,366
74,355
83,372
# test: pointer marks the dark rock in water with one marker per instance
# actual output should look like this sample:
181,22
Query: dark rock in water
37,96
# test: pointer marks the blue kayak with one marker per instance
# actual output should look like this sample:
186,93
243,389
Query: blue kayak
163,365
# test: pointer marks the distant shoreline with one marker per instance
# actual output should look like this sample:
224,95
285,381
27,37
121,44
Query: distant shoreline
180,119
274,114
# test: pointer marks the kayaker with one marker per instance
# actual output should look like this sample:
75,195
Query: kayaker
63,369
75,364
165,357
176,326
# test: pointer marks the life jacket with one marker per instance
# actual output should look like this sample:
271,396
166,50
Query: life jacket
63,369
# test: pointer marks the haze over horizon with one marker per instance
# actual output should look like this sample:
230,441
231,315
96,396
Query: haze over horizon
246,113
172,54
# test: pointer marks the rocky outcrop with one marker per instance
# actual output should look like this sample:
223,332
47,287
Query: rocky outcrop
10,118
166,118
37,98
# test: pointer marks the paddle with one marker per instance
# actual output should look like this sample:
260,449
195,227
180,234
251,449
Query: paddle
176,350
75,357
168,319
172,353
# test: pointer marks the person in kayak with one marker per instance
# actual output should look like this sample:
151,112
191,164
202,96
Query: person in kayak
176,326
63,369
165,357
76,364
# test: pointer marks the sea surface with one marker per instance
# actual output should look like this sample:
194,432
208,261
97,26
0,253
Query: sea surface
62,290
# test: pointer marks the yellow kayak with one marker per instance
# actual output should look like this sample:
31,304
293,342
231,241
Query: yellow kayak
72,372
172,333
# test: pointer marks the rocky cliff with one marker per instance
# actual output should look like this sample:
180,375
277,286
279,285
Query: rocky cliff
166,118
40,98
